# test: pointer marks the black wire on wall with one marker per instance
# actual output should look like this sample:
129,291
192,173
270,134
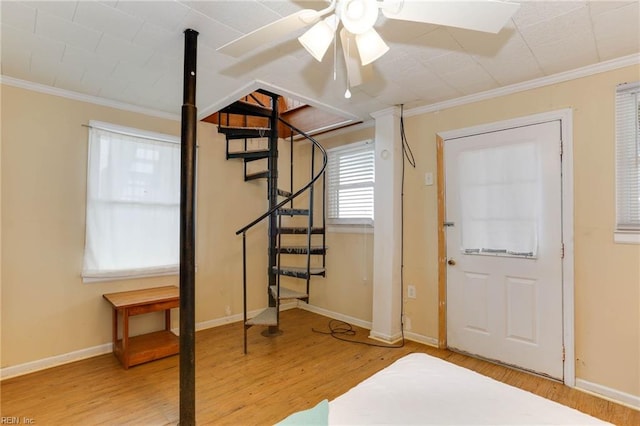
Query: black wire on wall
339,329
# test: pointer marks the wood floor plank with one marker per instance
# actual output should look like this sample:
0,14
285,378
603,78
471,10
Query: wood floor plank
278,376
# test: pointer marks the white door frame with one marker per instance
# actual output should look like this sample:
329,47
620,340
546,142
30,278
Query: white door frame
566,128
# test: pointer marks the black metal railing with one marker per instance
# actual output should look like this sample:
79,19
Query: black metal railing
299,191
309,186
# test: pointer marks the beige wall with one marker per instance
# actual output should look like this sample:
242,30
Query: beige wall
46,309
0,222
348,287
607,275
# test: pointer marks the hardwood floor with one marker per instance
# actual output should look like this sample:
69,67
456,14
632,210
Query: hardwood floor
278,376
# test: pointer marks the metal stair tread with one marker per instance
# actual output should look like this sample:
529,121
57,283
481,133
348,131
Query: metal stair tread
257,175
287,293
297,271
249,154
267,317
240,132
299,230
301,249
293,212
224,127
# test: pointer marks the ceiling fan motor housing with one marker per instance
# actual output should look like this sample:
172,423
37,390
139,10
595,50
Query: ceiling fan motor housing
358,16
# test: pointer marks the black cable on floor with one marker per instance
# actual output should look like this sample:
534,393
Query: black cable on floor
338,329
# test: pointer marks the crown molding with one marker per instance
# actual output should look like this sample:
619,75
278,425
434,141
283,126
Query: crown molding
393,110
587,71
344,130
56,91
254,85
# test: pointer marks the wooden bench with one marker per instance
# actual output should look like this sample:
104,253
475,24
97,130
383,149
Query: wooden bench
147,347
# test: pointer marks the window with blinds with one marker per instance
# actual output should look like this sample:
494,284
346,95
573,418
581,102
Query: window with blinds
350,183
628,158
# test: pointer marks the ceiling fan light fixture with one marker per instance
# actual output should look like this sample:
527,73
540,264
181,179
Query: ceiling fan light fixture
370,46
358,16
318,38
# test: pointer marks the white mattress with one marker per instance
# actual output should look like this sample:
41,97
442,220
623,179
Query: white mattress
420,389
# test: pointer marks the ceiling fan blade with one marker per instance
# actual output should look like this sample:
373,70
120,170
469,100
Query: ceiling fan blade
356,74
271,32
486,15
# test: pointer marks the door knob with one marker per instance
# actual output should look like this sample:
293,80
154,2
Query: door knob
451,262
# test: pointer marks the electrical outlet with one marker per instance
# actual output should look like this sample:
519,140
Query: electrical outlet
411,292
428,178
227,311
407,323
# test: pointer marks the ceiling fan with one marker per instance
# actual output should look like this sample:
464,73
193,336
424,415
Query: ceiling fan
361,43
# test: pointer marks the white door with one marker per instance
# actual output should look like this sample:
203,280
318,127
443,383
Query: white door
504,246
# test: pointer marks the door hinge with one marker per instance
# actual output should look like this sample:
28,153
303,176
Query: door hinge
562,251
563,354
561,149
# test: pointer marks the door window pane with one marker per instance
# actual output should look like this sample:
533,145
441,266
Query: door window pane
499,196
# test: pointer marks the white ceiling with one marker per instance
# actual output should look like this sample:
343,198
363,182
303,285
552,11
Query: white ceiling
132,52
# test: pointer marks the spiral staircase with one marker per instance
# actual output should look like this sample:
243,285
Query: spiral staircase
254,130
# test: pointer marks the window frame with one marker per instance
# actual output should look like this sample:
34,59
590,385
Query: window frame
350,224
627,232
92,276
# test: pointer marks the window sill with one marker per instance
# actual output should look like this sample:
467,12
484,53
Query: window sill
129,275
350,229
626,237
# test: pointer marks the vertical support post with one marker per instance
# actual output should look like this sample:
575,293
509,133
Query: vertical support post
324,219
273,200
291,166
387,242
244,288
187,233
310,218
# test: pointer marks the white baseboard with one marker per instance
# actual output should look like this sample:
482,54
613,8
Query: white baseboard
626,399
54,361
235,318
41,364
386,338
335,315
414,337
425,340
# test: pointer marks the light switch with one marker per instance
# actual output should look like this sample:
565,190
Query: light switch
428,178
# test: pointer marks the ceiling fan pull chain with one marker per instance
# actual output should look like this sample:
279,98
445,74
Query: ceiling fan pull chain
347,93
335,58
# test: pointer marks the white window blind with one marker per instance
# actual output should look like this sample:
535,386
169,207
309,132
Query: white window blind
350,183
628,158
133,203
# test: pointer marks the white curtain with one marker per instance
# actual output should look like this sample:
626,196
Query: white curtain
133,205
500,200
